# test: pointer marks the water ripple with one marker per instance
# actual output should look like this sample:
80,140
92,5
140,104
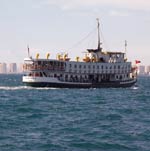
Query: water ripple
39,119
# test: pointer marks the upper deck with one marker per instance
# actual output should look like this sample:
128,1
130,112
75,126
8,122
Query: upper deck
82,67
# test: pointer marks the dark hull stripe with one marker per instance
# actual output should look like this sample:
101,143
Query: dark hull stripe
92,85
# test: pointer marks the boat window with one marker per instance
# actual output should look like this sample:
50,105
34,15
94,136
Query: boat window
44,74
51,63
61,75
36,74
118,55
44,63
101,59
55,75
39,62
30,74
40,74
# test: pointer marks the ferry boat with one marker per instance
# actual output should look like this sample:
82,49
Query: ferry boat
98,69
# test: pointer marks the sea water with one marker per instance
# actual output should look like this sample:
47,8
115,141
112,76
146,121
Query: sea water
49,119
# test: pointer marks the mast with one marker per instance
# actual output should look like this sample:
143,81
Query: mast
99,42
98,49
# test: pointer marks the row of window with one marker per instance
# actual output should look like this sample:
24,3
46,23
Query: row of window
98,71
52,63
98,67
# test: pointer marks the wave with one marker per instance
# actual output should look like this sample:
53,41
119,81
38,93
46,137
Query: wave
45,88
134,87
13,87
23,87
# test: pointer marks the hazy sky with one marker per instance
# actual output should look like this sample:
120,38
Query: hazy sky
59,26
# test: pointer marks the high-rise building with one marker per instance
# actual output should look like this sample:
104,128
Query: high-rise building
12,68
20,68
147,70
3,68
141,70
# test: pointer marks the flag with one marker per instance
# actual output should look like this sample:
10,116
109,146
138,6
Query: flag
137,61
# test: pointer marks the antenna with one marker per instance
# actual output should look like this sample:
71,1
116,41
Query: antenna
125,45
28,51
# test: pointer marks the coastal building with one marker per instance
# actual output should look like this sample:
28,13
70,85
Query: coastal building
12,68
141,70
3,68
147,70
20,68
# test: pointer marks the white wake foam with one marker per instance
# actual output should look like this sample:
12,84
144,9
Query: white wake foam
23,87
